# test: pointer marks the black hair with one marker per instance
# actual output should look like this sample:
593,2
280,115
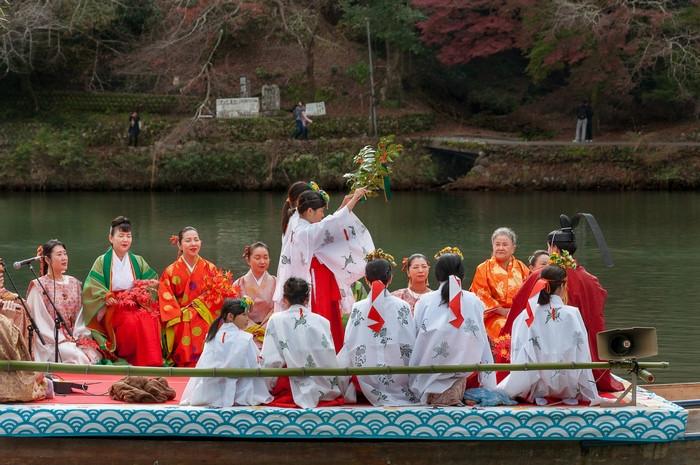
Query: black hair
230,307
183,231
248,249
556,276
296,291
121,223
447,265
564,239
312,200
378,270
46,251
295,190
535,255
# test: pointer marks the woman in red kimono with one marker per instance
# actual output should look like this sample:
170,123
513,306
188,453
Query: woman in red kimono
188,303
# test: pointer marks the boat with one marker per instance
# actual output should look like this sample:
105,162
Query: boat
84,428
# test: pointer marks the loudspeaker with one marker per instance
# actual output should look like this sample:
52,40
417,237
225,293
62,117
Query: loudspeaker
627,343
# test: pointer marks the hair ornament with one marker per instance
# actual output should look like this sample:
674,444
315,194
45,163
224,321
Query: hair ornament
404,264
316,188
246,303
563,260
449,250
173,239
378,254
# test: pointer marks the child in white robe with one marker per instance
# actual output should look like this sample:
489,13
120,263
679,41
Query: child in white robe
450,331
550,332
380,332
297,338
228,346
327,252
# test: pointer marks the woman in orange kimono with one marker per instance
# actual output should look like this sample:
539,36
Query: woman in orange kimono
187,300
498,279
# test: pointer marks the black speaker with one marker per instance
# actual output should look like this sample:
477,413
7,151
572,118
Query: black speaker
627,343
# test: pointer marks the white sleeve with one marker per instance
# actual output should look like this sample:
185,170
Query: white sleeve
44,322
271,355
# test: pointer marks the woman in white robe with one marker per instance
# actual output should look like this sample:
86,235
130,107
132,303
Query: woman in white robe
297,338
380,332
228,346
75,343
550,332
450,331
328,253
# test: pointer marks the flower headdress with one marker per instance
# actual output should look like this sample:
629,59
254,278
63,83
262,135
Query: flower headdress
449,250
246,303
380,254
316,188
42,263
563,259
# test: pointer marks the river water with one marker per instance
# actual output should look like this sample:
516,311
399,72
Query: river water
653,237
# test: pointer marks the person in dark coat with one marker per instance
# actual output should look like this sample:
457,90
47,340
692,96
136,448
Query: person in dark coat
134,129
589,122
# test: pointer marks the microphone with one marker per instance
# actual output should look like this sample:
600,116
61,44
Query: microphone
25,262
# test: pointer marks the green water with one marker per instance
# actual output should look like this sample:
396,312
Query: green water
653,237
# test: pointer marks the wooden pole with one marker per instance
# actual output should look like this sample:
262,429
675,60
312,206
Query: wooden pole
128,370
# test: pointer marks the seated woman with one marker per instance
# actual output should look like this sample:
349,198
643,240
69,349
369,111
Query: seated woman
11,307
538,260
228,346
450,332
259,285
550,332
498,279
380,332
188,301
295,338
132,334
18,386
418,269
75,344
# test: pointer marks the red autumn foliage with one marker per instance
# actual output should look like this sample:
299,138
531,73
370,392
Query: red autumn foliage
143,297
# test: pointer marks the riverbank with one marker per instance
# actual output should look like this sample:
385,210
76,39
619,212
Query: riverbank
87,151
581,167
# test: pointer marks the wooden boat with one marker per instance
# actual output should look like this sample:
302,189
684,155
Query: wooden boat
83,430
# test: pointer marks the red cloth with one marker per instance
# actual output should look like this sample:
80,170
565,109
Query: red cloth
137,335
282,393
325,300
584,292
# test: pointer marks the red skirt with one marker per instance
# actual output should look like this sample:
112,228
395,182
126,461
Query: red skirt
282,393
325,300
137,335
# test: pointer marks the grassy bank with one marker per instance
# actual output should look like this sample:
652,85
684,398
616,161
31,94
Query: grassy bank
583,168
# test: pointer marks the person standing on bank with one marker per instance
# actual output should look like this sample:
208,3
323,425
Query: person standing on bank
298,120
581,122
589,122
134,129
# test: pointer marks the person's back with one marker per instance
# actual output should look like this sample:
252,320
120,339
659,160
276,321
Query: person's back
297,338
388,342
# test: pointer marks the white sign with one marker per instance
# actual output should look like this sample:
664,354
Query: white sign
237,107
316,108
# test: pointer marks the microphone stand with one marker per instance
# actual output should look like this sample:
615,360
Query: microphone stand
31,327
58,320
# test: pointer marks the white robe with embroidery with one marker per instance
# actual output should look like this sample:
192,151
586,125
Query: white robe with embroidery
556,335
340,241
439,343
297,338
391,346
230,348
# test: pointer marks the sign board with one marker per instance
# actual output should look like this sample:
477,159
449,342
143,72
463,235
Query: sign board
316,108
237,107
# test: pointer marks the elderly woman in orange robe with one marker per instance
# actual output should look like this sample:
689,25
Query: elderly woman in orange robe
188,299
498,279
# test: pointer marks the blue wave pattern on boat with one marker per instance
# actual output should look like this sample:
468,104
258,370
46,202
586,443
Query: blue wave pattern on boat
627,423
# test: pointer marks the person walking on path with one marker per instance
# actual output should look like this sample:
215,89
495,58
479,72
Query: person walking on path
581,122
134,129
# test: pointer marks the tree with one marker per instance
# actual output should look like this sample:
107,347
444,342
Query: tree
394,23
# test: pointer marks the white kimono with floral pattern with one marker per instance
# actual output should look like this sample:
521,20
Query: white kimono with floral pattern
439,343
231,347
297,338
556,335
340,241
391,346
